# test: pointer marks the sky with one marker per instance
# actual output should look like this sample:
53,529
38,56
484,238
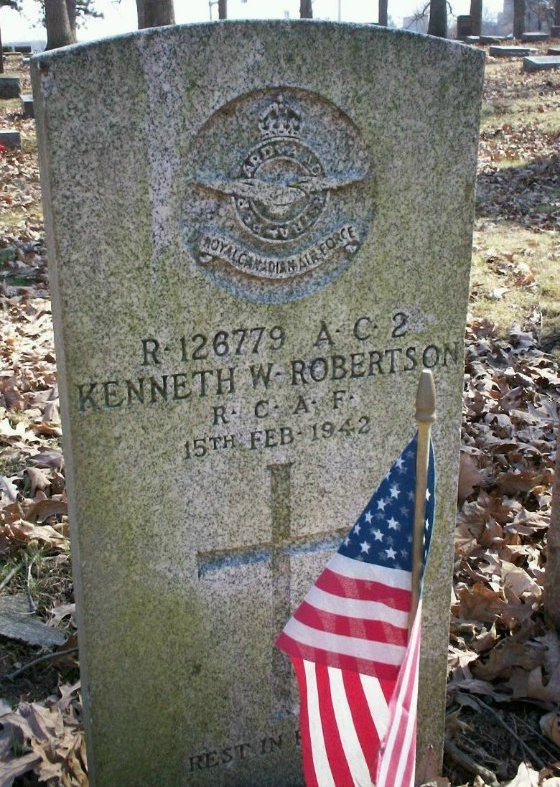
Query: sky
120,17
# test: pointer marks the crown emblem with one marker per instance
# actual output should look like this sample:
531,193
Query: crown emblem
280,120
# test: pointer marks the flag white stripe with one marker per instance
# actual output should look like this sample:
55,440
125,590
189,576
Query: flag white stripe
407,735
408,742
377,703
381,652
323,771
385,776
357,569
346,730
356,608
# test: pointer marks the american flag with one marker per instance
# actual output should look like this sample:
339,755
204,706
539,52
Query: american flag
356,666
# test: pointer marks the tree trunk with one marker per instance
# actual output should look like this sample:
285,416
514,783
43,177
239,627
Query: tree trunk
557,13
155,13
71,9
476,17
518,18
382,13
11,4
305,9
59,30
141,15
552,572
222,9
437,25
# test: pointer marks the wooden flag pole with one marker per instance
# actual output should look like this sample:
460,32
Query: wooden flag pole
425,417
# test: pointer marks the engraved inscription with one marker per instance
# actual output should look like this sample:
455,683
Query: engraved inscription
213,246
261,387
285,206
260,747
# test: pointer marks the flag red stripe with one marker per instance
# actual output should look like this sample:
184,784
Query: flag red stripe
363,722
387,687
372,630
335,752
363,589
409,771
388,672
308,769
400,742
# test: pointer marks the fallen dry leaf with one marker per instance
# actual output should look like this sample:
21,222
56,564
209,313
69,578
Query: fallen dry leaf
526,777
550,725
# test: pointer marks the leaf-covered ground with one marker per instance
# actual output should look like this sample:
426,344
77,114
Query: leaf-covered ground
504,659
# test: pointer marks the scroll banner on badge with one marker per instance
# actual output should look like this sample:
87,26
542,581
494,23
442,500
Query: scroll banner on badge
219,247
354,651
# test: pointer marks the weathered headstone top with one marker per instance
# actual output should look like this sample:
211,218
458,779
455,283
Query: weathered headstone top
541,63
259,233
535,36
491,39
510,51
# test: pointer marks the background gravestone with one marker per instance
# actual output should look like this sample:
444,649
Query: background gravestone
259,233
9,86
464,26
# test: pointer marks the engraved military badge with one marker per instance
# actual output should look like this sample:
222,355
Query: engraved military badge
279,202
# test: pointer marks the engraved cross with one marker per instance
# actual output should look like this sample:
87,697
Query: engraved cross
282,546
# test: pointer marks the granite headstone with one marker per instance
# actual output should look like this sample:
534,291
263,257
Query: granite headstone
464,26
535,36
543,63
27,105
259,233
10,138
9,86
511,51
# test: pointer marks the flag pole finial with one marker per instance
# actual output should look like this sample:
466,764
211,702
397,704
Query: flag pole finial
426,398
425,417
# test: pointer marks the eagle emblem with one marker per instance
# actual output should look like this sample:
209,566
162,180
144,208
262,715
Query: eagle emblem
279,211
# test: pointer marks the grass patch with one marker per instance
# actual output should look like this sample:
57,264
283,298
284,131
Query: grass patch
14,217
520,112
11,106
29,144
514,279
